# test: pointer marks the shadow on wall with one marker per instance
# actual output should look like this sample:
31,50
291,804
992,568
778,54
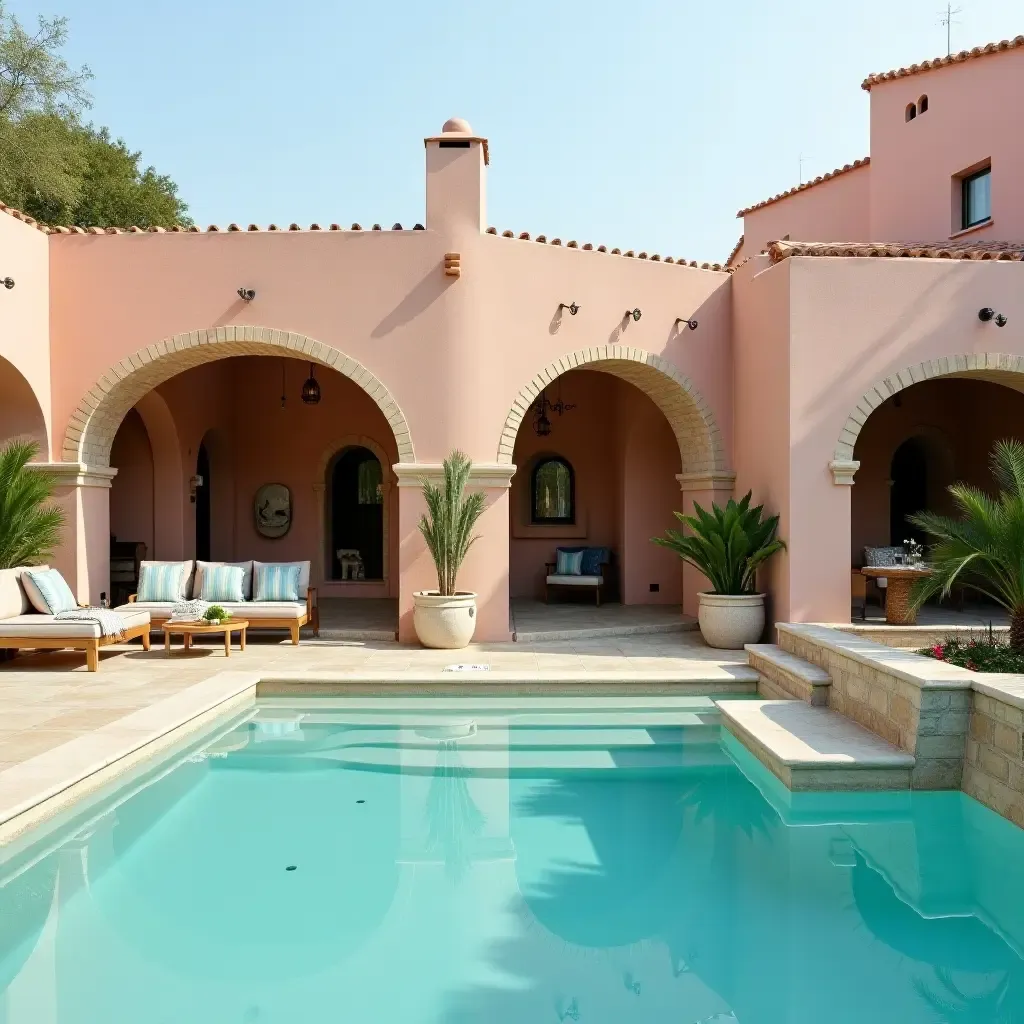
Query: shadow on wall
20,413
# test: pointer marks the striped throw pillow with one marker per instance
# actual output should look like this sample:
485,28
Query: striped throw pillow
161,582
568,563
222,583
51,590
276,583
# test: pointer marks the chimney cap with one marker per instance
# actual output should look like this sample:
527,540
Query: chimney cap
456,124
457,128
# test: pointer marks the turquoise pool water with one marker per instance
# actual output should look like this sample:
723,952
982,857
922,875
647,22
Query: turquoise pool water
494,861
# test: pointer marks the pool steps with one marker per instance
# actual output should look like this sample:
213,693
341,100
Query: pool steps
783,675
813,748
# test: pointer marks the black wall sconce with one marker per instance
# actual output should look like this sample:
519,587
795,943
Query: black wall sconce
571,306
247,294
634,313
311,389
988,313
692,324
8,283
542,405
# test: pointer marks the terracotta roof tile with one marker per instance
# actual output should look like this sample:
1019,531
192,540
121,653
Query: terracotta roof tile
901,250
807,184
735,251
941,62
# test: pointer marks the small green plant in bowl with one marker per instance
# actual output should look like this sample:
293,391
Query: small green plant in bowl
215,615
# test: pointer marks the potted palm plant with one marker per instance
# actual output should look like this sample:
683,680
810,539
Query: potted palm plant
728,546
446,617
982,549
29,526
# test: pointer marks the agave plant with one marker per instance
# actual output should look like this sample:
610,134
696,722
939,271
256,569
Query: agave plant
29,527
726,545
451,515
983,547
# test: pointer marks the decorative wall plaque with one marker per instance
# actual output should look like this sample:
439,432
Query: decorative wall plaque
273,509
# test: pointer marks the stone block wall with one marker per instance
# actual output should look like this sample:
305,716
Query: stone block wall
926,718
994,770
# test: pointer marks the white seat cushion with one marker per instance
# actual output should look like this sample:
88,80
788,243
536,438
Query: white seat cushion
47,626
13,599
155,609
575,581
256,610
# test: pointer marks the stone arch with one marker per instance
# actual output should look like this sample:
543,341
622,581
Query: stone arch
93,424
996,367
21,415
689,415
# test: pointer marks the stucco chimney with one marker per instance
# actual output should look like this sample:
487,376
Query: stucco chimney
456,178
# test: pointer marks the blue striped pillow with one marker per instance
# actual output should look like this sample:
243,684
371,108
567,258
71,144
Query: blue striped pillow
276,583
161,582
222,583
568,563
52,589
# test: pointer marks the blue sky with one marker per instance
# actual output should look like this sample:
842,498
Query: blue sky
643,124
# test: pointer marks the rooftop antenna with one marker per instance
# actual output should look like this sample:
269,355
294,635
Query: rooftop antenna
949,21
800,163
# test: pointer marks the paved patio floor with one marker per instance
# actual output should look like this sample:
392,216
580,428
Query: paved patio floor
49,698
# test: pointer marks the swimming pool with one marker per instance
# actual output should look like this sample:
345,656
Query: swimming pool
500,860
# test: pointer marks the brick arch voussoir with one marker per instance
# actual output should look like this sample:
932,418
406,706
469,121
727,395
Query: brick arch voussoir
691,418
93,424
994,363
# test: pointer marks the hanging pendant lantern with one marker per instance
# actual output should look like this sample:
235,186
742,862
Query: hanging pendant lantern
311,389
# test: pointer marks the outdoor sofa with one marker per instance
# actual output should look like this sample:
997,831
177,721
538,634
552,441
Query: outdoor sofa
592,571
261,614
23,627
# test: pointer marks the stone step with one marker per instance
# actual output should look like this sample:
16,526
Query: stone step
784,675
813,748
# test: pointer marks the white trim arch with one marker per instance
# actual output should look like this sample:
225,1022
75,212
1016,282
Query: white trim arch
92,426
692,421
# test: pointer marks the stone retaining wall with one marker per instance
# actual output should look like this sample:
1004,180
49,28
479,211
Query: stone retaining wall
994,771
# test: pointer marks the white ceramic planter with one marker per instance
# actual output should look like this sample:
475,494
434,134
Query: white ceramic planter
444,622
728,621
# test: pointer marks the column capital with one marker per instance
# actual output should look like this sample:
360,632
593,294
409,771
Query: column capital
843,471
714,481
482,474
75,474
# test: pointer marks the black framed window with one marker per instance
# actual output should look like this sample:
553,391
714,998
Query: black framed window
553,492
976,198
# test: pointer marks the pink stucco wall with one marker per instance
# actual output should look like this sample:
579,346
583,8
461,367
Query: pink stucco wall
831,211
913,162
132,494
24,334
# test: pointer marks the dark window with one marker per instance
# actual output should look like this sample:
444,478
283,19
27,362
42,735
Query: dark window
976,195
922,104
553,492
911,112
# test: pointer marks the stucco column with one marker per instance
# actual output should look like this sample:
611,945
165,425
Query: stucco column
705,489
318,570
83,555
485,570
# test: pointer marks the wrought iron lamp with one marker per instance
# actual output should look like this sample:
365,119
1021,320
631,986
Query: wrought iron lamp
311,389
8,283
634,313
571,306
542,406
988,313
692,324
247,294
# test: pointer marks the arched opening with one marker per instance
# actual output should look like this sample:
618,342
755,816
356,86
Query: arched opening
922,104
236,419
912,446
355,487
911,112
20,413
599,450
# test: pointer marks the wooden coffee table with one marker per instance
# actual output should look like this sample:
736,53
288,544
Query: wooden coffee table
190,629
901,579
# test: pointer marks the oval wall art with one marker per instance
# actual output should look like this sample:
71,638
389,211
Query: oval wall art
273,509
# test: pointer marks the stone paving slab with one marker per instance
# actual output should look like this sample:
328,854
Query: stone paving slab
815,748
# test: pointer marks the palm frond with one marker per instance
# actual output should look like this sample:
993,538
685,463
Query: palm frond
29,527
451,515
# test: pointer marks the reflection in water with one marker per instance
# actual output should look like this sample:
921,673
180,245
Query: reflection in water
453,819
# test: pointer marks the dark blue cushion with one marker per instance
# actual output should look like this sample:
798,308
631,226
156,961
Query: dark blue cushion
593,558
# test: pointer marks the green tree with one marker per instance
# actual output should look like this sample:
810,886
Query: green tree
983,547
29,527
54,167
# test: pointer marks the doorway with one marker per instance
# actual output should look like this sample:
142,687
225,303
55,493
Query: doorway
356,484
909,491
203,505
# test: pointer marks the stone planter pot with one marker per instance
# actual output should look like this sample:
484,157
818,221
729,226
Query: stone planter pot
444,622
728,621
